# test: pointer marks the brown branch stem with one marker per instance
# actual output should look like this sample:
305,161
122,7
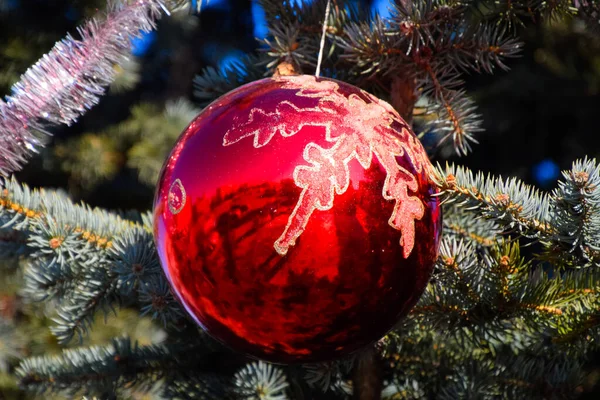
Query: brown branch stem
403,96
367,376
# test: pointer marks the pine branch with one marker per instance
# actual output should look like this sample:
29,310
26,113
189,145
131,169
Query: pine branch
260,380
295,31
497,290
481,49
106,368
432,42
575,210
514,13
328,377
94,290
89,159
509,203
287,11
541,372
481,232
134,260
504,364
370,49
455,115
149,150
156,299
582,330
565,221
87,259
212,83
76,263
138,277
25,210
309,15
197,387
45,280
94,157
556,9
288,45
70,79
481,298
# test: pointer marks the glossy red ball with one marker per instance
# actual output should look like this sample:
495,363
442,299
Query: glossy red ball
295,219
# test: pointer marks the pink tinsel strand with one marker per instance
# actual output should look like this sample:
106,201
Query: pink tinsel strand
69,80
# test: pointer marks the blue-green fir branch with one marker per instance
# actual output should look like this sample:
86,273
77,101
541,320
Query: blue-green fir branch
482,232
148,150
75,263
433,364
578,327
261,381
59,242
329,377
156,300
289,45
134,260
575,212
482,49
453,115
565,221
363,57
295,31
44,281
580,332
95,290
198,387
108,368
493,299
87,259
95,157
25,209
510,203
435,41
66,240
139,279
286,11
485,291
310,15
541,373
432,41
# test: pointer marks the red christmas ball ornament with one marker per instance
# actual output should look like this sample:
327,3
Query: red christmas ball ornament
296,219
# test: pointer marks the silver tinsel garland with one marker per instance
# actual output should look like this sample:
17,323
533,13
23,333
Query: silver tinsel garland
71,78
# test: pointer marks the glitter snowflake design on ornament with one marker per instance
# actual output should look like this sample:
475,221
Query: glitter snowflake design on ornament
296,219
366,131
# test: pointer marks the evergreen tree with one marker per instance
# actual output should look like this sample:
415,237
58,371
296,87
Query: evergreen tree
511,311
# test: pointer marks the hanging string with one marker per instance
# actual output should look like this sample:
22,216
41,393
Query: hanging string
322,46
